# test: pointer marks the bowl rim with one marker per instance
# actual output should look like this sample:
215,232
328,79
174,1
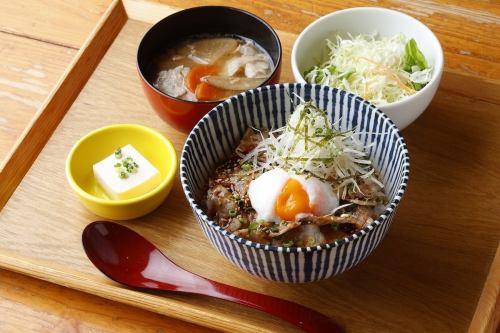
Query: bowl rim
437,71
267,25
166,180
389,209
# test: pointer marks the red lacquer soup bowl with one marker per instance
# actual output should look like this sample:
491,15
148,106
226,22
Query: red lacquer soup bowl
206,20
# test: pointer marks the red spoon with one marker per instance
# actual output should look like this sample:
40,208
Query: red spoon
128,258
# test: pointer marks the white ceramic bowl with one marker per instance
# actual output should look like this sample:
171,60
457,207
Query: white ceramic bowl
309,50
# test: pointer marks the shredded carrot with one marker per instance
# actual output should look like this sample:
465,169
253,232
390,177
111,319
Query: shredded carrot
401,84
196,73
388,72
207,92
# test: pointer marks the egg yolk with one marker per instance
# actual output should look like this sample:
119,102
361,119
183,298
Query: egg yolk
292,200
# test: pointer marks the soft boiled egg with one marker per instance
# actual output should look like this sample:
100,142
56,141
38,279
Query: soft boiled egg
277,195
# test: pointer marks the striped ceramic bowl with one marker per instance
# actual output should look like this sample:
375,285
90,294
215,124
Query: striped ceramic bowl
214,138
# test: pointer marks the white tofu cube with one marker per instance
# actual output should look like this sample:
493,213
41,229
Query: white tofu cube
145,179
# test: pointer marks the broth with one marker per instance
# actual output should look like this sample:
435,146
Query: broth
211,68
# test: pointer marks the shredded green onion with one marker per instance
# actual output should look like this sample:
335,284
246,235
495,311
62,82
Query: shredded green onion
309,144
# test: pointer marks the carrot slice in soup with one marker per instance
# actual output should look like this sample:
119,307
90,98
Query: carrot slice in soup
196,73
207,92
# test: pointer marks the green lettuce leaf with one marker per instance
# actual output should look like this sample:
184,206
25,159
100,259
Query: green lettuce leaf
413,56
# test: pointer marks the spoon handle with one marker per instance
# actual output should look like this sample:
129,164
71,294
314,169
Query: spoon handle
301,316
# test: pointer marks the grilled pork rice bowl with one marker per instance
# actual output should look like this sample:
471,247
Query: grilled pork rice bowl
294,182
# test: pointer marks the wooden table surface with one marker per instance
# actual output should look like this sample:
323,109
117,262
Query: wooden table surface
38,40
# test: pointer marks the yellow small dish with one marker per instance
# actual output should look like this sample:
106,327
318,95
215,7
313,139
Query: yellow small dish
102,142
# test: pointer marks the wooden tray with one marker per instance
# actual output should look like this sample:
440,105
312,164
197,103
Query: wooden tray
427,275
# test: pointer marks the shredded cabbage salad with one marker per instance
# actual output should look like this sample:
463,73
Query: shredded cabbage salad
309,144
379,69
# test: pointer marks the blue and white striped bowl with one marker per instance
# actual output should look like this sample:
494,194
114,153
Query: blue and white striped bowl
215,137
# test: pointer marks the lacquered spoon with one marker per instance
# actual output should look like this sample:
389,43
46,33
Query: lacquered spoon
128,258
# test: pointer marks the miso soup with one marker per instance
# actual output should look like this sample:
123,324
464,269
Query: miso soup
211,68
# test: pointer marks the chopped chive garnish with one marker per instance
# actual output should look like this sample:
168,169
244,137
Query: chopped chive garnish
246,167
253,226
127,165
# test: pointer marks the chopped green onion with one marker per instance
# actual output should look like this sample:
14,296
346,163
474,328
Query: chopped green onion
288,243
126,167
253,226
246,167
232,212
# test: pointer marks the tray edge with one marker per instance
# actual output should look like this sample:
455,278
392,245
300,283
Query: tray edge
487,313
36,134
24,153
19,264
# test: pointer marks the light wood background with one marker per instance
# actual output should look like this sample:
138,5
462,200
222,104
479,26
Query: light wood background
440,248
